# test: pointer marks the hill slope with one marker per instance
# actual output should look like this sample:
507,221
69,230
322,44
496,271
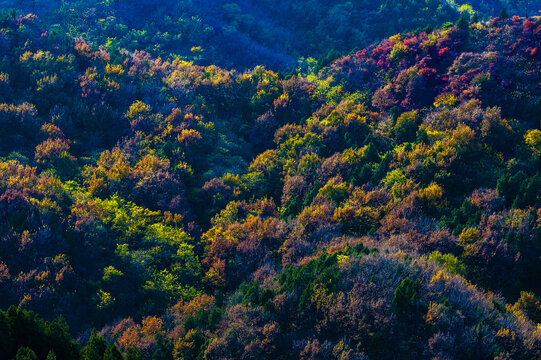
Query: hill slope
248,33
387,206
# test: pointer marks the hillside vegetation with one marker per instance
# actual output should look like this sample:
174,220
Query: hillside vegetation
245,33
385,205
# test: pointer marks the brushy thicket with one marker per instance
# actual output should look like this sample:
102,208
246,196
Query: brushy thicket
384,205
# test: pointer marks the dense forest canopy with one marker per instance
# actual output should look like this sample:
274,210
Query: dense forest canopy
270,180
246,33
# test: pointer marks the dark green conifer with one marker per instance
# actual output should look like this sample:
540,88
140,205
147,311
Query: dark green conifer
25,353
95,348
463,22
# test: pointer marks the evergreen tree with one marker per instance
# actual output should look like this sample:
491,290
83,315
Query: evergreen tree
164,349
95,348
25,353
463,22
112,353
134,354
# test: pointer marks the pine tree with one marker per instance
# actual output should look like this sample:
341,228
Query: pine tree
164,349
25,353
134,354
463,22
95,348
112,353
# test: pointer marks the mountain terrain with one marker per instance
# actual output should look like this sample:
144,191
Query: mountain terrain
159,200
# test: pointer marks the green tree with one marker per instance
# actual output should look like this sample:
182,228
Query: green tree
463,21
134,354
25,329
112,353
95,348
164,349
407,298
25,353
406,126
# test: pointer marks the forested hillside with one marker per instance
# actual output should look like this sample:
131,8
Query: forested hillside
246,33
382,205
